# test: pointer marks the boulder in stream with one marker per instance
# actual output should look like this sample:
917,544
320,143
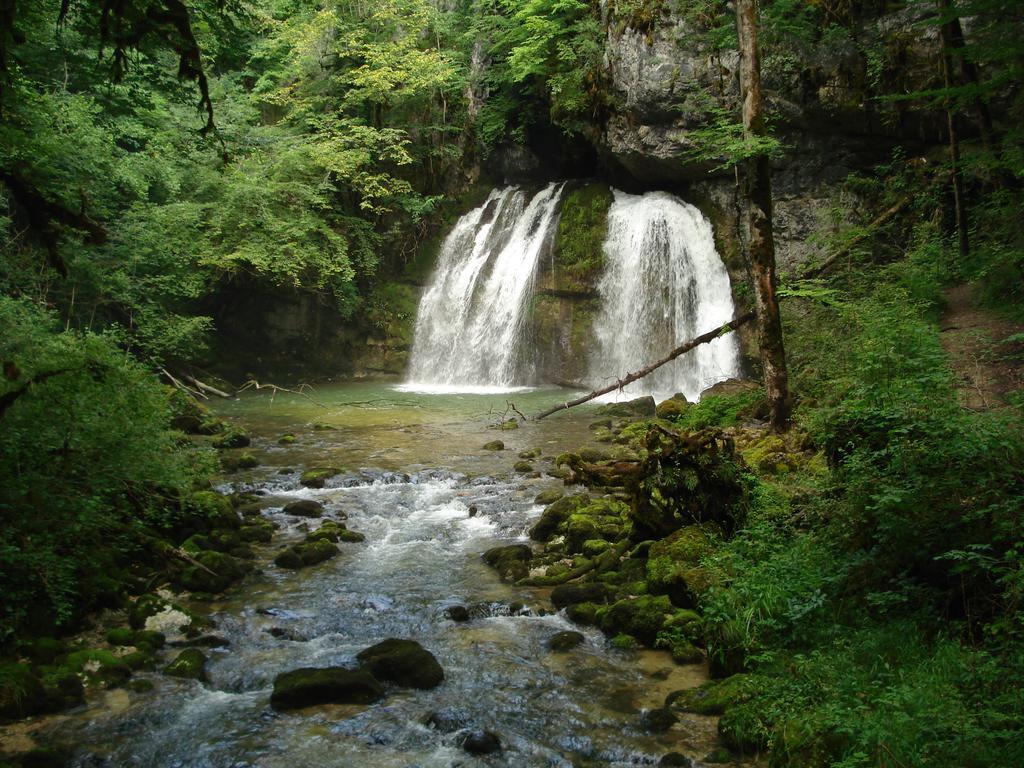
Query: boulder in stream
512,562
304,508
308,686
403,662
641,406
565,641
306,554
189,664
480,742
317,477
494,445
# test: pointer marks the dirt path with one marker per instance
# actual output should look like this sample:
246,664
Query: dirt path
987,369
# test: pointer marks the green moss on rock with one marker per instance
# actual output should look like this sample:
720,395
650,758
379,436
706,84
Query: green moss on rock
402,662
331,685
190,664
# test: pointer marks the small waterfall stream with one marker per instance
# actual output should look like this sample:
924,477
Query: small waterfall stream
663,283
469,330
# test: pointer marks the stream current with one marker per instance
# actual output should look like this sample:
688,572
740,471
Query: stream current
413,467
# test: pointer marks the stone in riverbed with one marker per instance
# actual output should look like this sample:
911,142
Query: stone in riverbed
565,595
403,662
457,613
304,508
677,759
447,720
481,742
494,445
641,407
549,496
309,686
305,554
316,477
189,664
523,466
658,720
511,562
565,641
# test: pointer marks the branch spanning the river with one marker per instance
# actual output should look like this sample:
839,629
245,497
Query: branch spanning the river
253,384
732,325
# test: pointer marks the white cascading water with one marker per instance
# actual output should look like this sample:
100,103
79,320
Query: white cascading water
663,284
470,325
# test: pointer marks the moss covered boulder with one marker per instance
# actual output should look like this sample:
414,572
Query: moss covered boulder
317,477
640,407
641,617
334,531
674,564
304,508
310,686
494,445
549,496
22,693
214,509
190,664
672,408
306,554
212,572
402,662
512,562
565,595
564,641
557,512
232,438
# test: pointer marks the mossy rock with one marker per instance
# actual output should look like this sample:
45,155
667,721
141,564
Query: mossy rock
323,427
233,438
684,652
213,572
556,514
532,453
565,595
494,445
548,496
642,617
141,685
584,614
511,562
137,660
510,424
190,664
330,685
256,530
146,606
624,642
564,641
594,547
304,508
672,408
523,466
640,407
121,636
716,696
578,254
744,729
22,693
101,667
674,564
350,537
600,424
286,439
317,477
402,662
658,720
306,554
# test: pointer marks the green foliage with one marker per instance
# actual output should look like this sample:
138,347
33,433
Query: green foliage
721,410
87,456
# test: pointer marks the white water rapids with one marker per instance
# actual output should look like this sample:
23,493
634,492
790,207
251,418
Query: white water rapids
663,283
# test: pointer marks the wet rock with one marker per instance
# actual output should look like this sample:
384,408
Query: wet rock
304,508
473,510
658,720
494,445
234,438
549,496
570,594
284,633
332,530
403,662
351,537
286,439
309,686
261,531
317,477
457,613
510,424
600,424
676,759
190,664
481,742
447,720
511,562
305,554
523,466
532,453
584,614
565,641
556,514
639,407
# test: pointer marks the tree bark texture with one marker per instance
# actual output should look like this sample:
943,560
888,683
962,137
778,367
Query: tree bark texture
959,204
760,240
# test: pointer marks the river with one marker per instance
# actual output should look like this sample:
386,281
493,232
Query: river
413,467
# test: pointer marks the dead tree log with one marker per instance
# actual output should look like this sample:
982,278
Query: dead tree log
732,325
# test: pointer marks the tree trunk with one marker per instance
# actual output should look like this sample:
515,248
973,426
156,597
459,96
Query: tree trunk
760,241
959,205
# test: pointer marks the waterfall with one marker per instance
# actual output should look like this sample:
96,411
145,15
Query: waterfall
471,321
663,283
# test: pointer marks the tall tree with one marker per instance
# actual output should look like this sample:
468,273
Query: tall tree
760,240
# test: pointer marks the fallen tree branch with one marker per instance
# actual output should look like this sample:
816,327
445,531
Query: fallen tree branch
205,387
253,384
182,385
732,325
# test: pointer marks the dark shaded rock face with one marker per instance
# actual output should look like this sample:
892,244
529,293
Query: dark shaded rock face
330,685
512,562
570,594
402,662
